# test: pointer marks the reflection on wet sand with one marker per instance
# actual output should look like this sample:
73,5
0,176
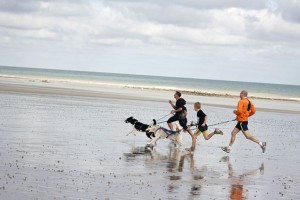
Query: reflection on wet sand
237,182
174,161
182,173
176,164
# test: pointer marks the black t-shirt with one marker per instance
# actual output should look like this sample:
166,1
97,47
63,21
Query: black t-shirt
180,104
201,115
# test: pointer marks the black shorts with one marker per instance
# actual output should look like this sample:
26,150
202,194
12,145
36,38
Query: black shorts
243,126
202,129
182,121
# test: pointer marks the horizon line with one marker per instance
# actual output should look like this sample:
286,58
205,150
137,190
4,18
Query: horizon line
158,76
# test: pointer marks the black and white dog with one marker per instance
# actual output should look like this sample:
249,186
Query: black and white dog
138,126
163,133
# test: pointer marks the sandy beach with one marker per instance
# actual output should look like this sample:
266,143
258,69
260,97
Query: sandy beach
70,143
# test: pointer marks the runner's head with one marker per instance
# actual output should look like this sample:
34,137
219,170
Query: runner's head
177,95
243,93
197,106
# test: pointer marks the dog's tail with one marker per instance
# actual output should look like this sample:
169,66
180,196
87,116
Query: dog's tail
154,121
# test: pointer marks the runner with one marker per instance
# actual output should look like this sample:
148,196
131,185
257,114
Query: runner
244,110
179,114
201,124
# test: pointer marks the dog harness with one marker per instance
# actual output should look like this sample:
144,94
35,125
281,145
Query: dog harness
167,131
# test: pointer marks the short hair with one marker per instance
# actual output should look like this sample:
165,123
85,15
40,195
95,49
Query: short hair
244,93
178,93
197,105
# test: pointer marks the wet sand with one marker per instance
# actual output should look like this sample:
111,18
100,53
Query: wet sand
71,145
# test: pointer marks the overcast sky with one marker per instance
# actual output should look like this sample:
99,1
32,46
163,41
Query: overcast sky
256,41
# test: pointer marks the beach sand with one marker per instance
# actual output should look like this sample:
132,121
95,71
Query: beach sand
71,143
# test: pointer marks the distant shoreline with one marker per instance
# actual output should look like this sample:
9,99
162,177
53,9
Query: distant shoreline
199,93
189,86
8,88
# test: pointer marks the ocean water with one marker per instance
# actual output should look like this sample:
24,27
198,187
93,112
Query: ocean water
210,87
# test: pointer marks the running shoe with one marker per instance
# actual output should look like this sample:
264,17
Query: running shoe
190,149
218,131
226,149
193,123
263,147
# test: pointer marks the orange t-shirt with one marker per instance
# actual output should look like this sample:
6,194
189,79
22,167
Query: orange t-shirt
242,112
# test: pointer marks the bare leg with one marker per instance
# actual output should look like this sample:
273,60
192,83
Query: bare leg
254,139
196,133
170,126
233,136
232,139
250,137
207,137
193,139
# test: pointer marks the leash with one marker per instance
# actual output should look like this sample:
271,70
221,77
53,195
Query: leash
222,122
161,122
132,130
162,118
216,123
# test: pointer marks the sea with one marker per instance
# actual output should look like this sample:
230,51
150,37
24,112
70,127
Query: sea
190,85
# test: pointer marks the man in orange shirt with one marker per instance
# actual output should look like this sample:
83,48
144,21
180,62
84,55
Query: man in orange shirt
244,110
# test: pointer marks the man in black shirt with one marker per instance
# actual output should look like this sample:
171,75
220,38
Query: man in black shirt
179,114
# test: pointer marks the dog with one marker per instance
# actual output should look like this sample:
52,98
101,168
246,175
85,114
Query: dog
138,126
163,133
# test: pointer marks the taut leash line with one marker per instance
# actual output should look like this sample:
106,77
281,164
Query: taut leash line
216,123
222,122
162,118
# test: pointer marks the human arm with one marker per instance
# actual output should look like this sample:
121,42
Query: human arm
205,119
239,109
252,110
176,110
171,103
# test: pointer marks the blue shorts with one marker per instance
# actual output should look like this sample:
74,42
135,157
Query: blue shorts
242,126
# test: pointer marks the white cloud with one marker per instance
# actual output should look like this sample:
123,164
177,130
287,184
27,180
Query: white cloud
227,26
236,32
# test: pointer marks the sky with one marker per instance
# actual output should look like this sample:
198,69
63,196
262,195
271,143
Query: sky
252,41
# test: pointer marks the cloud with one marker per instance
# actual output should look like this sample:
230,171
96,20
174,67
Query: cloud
142,22
236,32
15,6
